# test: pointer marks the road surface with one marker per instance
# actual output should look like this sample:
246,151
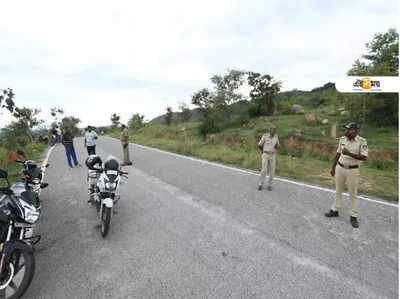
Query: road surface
186,228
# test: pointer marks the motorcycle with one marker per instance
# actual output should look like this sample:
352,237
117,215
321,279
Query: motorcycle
31,178
105,195
18,216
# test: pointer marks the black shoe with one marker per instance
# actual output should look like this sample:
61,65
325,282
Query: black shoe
354,222
332,213
259,187
269,188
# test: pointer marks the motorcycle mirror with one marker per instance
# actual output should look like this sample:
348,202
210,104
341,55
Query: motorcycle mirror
47,165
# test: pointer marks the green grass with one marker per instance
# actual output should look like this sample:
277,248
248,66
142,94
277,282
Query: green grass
32,151
378,177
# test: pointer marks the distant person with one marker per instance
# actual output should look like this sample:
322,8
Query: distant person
68,142
352,149
90,141
125,145
268,144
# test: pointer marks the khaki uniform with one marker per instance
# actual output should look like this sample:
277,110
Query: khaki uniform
268,165
125,141
350,176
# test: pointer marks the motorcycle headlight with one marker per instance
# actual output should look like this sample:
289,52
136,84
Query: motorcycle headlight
111,186
31,216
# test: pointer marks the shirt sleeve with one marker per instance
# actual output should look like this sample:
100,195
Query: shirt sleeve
262,140
364,148
339,149
277,141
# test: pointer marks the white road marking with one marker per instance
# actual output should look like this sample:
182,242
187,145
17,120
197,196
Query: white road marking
381,202
46,160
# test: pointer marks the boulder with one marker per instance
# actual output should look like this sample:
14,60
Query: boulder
325,121
345,113
298,109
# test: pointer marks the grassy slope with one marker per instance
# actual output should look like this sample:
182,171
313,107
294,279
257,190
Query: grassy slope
305,167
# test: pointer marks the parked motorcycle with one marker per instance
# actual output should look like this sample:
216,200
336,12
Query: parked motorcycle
31,178
106,193
18,216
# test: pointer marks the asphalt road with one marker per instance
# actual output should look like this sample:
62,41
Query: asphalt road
189,229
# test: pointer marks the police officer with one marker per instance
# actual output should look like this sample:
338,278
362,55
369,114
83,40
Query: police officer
268,144
125,145
352,149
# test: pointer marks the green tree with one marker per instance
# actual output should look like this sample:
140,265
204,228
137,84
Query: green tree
382,59
136,121
204,99
185,114
14,136
28,118
115,120
263,93
71,123
169,116
7,99
227,87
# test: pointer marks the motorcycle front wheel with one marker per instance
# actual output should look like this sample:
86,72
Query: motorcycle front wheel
17,275
105,220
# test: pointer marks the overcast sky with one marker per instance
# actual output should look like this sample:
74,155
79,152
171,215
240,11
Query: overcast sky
94,58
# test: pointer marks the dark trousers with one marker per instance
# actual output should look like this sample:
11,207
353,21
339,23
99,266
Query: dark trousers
91,150
70,151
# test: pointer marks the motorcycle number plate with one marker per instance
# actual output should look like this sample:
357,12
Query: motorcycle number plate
112,172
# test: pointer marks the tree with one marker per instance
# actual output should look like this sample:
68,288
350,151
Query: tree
14,136
382,60
204,99
57,113
263,93
186,114
7,99
136,121
71,123
28,118
227,86
169,116
115,120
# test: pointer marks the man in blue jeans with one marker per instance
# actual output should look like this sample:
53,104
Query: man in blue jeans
68,142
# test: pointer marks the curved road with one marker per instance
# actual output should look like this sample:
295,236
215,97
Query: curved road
186,228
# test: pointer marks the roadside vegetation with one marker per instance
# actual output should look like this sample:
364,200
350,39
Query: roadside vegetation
226,125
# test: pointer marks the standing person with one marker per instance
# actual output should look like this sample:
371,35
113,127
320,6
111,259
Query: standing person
268,144
125,145
352,149
68,142
90,141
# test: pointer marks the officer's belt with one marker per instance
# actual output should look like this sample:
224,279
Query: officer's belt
269,153
348,167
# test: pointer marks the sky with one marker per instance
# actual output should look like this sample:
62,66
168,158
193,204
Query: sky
96,58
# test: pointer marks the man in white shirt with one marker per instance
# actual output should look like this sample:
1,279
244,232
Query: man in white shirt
268,145
90,141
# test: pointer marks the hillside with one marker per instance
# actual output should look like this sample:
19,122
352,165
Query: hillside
240,107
